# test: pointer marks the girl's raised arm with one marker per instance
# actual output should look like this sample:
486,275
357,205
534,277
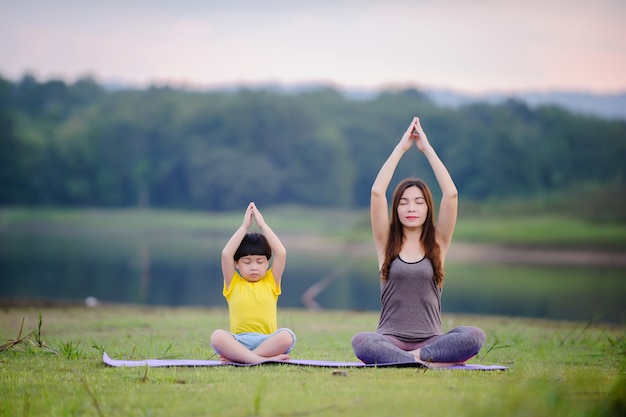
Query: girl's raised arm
279,253
228,253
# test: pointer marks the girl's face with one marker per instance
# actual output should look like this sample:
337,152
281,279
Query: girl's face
412,208
252,267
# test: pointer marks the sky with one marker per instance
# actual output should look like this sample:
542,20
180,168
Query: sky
468,46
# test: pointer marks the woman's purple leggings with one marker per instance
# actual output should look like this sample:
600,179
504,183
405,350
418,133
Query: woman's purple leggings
455,346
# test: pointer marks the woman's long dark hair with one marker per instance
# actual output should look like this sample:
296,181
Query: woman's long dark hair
428,238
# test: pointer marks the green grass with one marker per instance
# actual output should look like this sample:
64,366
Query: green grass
344,224
544,231
557,368
289,219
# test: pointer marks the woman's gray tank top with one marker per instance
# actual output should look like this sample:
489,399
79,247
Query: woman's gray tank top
411,302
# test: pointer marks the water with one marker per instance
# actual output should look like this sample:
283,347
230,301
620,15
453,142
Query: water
185,271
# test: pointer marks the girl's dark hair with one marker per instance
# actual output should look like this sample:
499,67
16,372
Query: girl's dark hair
253,244
429,242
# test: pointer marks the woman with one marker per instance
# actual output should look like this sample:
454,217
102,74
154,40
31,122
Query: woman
411,251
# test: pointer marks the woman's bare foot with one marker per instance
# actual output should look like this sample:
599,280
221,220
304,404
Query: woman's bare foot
436,365
428,364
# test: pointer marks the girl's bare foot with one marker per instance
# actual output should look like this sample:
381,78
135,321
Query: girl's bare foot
281,357
260,359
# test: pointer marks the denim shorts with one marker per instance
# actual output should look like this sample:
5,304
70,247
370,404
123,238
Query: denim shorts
253,340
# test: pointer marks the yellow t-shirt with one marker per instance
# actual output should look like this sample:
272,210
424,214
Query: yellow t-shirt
252,305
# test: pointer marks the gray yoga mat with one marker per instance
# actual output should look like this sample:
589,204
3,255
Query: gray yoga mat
154,363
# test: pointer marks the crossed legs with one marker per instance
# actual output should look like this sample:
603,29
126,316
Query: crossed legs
275,347
452,348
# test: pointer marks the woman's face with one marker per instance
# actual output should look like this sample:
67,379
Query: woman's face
412,208
252,267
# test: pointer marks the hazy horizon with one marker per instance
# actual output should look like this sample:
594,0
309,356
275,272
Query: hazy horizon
471,48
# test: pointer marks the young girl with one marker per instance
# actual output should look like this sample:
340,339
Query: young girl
411,252
251,289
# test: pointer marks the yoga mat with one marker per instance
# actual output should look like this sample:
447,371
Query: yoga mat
155,363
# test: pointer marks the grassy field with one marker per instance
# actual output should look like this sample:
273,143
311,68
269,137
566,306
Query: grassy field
556,368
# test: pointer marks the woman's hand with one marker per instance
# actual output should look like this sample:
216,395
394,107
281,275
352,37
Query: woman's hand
418,135
409,136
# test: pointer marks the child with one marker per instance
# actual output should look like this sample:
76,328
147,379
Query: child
251,289
411,250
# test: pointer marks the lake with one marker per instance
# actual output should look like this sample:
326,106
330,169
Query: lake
177,270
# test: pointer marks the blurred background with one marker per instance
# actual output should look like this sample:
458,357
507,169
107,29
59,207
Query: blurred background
132,136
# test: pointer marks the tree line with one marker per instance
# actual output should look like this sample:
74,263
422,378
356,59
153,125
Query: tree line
80,144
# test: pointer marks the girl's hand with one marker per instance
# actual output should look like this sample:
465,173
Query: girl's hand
418,135
247,218
258,217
